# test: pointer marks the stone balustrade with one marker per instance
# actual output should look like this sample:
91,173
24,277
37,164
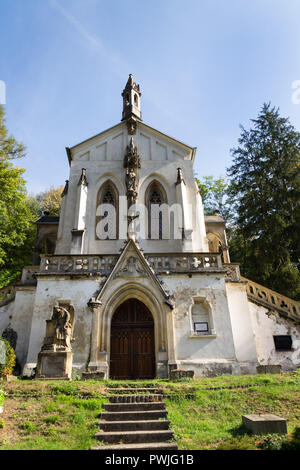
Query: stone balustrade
103,264
271,299
184,262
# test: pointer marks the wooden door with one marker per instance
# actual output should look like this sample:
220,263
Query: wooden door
132,342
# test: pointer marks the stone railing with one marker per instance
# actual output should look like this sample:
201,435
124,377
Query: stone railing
103,264
7,294
78,264
184,262
271,299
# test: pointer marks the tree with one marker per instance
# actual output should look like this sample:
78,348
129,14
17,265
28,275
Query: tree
16,229
9,147
264,194
214,195
50,200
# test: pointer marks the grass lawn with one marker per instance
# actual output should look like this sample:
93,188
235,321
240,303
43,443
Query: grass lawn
204,413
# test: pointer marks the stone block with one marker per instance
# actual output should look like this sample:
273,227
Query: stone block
269,369
265,424
93,375
54,364
181,374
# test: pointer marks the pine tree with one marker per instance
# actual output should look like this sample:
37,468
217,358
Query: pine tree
264,191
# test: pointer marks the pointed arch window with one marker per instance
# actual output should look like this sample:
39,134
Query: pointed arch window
107,212
155,198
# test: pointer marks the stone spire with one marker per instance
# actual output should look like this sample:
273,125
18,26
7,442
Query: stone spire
131,105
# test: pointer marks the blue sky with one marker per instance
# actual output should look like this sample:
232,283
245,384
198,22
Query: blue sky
204,67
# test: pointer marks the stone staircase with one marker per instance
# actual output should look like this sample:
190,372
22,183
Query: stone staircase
135,419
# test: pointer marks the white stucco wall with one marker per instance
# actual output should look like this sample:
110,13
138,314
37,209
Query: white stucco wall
267,324
206,355
18,316
243,335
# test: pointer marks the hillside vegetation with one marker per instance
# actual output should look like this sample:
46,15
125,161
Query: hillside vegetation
204,413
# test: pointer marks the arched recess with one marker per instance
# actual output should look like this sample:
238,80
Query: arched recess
107,195
132,350
134,290
156,197
217,245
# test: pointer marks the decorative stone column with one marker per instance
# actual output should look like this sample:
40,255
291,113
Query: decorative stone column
181,196
80,214
98,358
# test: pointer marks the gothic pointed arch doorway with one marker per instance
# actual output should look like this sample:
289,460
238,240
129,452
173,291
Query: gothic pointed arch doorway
132,351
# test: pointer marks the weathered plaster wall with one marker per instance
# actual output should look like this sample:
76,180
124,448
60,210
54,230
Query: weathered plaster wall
50,291
18,316
22,319
207,355
267,324
243,335
5,315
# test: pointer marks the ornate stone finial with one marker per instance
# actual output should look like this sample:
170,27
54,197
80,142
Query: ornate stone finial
179,176
65,190
82,179
131,105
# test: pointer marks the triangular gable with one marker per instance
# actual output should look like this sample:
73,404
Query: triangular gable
133,264
191,151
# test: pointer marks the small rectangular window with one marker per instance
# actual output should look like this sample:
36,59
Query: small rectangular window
283,342
201,327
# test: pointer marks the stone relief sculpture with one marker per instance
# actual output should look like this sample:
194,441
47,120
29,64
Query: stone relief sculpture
132,163
55,357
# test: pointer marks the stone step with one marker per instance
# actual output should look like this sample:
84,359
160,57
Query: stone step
150,425
131,437
158,405
135,398
143,446
134,390
133,415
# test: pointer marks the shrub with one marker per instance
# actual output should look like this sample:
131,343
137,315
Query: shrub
271,442
10,360
281,442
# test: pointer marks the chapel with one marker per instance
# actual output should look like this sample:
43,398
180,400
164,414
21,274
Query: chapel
132,280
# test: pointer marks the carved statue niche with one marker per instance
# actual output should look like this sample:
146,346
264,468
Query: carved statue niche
59,330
